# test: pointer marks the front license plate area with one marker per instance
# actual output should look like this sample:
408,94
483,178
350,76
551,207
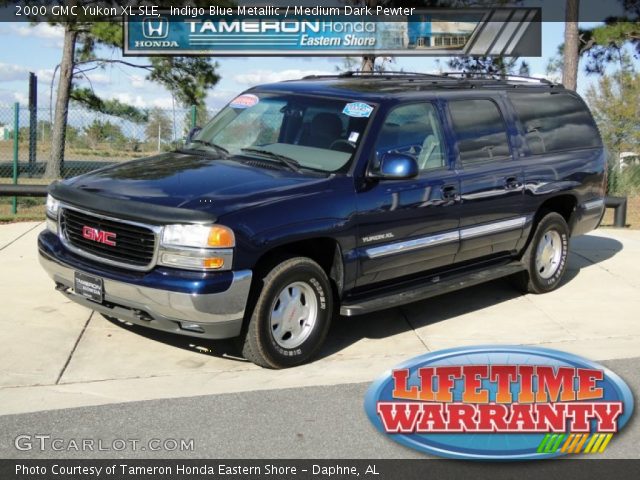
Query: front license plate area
88,286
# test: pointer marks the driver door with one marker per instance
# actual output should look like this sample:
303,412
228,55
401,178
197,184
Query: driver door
409,226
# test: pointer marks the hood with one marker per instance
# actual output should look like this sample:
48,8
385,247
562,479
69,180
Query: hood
198,183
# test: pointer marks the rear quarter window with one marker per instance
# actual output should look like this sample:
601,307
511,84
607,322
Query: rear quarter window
555,122
480,130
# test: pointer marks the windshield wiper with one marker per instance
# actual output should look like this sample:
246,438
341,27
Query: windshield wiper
287,161
215,146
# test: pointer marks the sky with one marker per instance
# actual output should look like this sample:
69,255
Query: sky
28,48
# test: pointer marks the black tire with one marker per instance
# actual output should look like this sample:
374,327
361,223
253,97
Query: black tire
535,279
261,343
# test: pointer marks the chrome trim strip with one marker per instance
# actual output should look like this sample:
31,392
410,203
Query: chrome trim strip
442,238
504,225
593,204
155,229
409,245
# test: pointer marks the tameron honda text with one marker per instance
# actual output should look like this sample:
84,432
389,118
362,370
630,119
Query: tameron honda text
500,403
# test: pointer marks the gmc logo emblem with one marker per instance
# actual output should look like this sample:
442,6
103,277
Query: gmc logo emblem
100,236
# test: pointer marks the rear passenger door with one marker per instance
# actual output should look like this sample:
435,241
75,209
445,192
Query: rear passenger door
492,213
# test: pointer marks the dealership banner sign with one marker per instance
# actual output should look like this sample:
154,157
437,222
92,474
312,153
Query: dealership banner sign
276,31
500,403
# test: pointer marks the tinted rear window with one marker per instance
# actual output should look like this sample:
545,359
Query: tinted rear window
480,130
555,122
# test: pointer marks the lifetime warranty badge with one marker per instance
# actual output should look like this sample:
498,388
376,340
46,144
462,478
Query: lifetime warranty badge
500,403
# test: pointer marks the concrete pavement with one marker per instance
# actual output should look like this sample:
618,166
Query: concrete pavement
55,354
312,422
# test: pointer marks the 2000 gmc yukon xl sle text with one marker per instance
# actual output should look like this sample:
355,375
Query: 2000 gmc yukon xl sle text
348,194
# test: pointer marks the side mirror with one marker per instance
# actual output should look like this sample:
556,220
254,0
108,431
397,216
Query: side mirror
396,166
192,133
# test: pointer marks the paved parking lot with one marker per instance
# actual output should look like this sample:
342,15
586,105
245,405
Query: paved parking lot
55,354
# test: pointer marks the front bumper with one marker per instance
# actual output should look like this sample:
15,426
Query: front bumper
216,314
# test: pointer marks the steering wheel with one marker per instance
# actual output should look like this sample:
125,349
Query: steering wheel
342,145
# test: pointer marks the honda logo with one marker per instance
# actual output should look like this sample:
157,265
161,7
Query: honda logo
100,236
155,27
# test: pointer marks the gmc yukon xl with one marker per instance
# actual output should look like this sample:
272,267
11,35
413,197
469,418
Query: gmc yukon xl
345,194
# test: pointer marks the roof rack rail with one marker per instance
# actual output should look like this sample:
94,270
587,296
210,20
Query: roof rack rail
495,76
447,79
355,73
390,73
440,76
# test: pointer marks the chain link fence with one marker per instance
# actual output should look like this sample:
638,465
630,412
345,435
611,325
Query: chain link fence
93,140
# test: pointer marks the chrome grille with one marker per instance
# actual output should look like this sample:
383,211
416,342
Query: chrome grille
134,248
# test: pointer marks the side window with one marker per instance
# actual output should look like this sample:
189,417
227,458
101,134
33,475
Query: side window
555,122
414,130
480,130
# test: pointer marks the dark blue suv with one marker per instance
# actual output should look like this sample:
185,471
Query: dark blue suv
332,195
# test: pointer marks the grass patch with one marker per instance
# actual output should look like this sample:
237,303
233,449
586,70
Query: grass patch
20,218
29,208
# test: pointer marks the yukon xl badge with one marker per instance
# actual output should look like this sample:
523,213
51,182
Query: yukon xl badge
374,238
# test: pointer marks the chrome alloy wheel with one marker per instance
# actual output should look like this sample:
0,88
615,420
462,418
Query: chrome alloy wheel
549,254
293,315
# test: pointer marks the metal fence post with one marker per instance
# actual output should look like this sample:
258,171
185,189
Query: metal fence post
194,116
33,122
16,128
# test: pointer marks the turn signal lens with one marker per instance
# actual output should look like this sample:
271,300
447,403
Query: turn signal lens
185,260
213,263
221,237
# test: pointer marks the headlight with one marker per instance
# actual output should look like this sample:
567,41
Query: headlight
197,247
53,206
198,236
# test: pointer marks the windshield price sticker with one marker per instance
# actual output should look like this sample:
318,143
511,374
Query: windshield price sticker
358,110
244,101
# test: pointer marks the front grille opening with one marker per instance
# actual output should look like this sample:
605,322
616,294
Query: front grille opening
134,245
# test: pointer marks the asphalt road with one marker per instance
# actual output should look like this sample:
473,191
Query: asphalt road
311,422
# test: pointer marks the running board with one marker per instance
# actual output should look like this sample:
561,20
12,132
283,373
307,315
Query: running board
432,287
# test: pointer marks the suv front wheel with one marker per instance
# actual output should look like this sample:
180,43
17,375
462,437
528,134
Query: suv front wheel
291,315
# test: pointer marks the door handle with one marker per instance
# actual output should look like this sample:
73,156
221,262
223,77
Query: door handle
449,192
511,183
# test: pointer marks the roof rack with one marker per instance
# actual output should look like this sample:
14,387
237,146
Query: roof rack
495,76
444,76
355,73
448,79
392,73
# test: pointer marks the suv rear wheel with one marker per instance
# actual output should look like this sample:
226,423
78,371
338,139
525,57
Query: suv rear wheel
545,258
291,315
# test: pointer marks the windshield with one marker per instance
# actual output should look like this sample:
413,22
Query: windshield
301,132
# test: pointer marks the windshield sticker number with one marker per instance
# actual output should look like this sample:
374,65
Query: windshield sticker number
244,101
358,110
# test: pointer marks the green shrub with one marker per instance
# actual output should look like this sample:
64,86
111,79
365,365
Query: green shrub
625,182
